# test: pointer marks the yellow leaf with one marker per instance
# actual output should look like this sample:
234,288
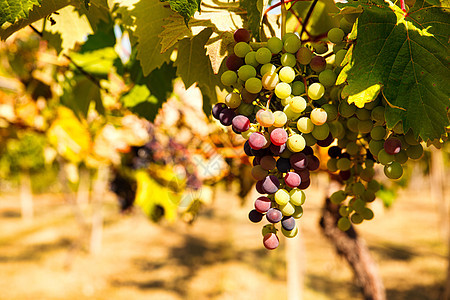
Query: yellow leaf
364,96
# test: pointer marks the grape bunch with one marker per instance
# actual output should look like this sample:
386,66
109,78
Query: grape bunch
284,101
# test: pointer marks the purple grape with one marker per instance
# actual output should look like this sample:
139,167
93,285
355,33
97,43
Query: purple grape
242,35
226,116
344,155
345,175
256,160
257,140
247,97
247,149
308,150
326,142
274,215
392,145
283,165
318,64
261,152
263,204
234,62
270,184
298,161
241,123
304,184
255,216
259,187
277,150
334,151
292,179
304,174
288,223
217,109
313,162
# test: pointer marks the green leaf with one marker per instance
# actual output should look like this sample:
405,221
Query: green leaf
79,97
255,10
408,56
12,10
193,65
160,81
150,15
47,8
186,8
98,62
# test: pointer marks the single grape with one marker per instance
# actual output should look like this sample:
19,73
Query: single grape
241,49
289,234
271,241
377,114
352,124
242,35
298,88
283,165
344,164
298,213
280,118
401,157
316,91
288,59
245,109
258,173
229,78
304,56
339,57
327,78
217,108
265,118
274,215
297,197
365,126
246,72
415,151
309,139
367,174
241,123
318,64
356,219
296,143
248,97
375,147
410,138
278,136
363,114
298,104
292,179
270,184
298,161
318,116
266,68
257,140
292,44
335,35
398,128
234,62
346,110
385,158
321,132
275,45
283,90
305,125
268,162
337,197
226,116
344,224
367,213
393,170
277,150
358,188
263,55
270,80
287,209
345,211
392,145
282,197
286,74
253,85
332,165
288,223
378,133
255,216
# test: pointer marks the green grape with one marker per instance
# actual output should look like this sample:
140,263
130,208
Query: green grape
286,153
415,151
283,90
369,163
280,118
363,114
346,110
245,109
358,205
367,213
287,209
288,59
352,124
241,49
290,234
298,88
339,58
358,188
292,44
393,170
367,174
331,111
398,128
344,164
298,104
338,47
268,228
253,85
336,35
286,74
229,78
291,115
352,148
401,157
309,139
266,68
316,91
338,196
250,59
345,25
345,211
373,186
385,158
305,125
327,77
377,115
410,139
368,196
298,213
233,100
375,147
275,45
282,197
332,165
365,126
263,55
246,72
344,224
372,104
270,80
356,218
287,35
337,129
318,116
298,197
296,143
304,56
351,136
320,47
378,133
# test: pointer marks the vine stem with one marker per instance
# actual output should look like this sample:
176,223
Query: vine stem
283,18
308,16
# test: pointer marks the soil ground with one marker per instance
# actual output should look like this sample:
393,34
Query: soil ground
219,256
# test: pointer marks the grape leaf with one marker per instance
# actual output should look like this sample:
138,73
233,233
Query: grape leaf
406,54
12,10
193,65
38,12
255,10
186,8
150,16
